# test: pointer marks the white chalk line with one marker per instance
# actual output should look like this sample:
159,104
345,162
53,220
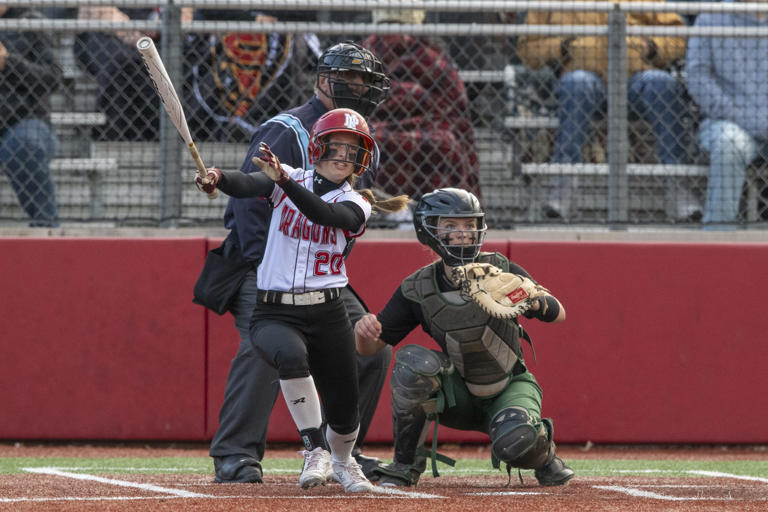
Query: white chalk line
92,498
637,492
505,493
387,492
178,493
120,483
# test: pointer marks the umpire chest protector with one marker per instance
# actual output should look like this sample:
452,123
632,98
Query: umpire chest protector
483,349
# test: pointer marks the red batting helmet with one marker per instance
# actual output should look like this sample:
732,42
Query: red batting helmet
342,120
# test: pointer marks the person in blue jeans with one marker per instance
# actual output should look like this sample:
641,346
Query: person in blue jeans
28,74
581,63
728,79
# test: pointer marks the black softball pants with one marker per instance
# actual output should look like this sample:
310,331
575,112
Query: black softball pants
315,340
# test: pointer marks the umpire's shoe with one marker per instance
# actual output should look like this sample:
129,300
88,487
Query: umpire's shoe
554,473
369,464
240,469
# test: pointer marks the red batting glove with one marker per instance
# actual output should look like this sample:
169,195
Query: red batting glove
208,184
270,165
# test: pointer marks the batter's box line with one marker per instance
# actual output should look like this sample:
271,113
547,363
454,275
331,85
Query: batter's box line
639,493
119,483
388,492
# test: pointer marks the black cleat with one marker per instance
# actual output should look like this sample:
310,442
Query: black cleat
369,464
554,473
397,475
240,469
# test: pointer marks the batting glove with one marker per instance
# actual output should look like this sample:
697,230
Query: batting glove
270,165
208,184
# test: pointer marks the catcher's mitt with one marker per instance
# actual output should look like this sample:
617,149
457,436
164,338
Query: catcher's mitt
501,294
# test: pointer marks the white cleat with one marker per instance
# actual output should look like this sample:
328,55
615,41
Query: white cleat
350,475
317,468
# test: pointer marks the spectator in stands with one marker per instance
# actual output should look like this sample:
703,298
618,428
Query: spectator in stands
424,128
125,94
581,63
238,80
28,75
728,79
690,17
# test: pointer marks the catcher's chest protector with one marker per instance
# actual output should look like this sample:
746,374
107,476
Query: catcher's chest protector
483,349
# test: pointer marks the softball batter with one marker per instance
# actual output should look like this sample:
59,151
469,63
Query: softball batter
300,324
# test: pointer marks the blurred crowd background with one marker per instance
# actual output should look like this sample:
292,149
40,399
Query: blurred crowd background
612,115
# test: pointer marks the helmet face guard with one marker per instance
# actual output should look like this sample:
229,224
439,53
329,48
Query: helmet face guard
450,203
351,57
341,120
356,154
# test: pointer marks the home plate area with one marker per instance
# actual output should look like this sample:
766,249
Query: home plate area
52,488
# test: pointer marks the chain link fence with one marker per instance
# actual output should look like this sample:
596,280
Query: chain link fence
553,113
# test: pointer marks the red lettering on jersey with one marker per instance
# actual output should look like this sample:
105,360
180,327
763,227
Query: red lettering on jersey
305,229
334,261
316,232
321,258
296,231
326,232
337,260
286,216
333,236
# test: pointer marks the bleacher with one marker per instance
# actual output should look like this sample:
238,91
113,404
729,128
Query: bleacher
114,181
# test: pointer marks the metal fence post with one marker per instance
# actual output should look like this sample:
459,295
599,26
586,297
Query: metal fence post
171,51
618,139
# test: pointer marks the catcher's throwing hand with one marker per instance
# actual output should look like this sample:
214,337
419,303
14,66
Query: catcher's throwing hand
368,327
501,294
367,332
208,184
270,165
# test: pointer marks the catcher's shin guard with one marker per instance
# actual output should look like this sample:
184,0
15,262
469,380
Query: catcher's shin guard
415,383
516,441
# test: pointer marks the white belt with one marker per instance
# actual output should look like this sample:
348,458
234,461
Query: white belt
299,299
303,299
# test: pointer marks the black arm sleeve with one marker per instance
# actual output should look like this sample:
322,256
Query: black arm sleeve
344,215
398,318
238,184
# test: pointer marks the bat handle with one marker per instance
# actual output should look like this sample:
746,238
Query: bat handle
201,167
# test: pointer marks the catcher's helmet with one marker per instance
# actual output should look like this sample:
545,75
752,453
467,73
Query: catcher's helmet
449,202
349,56
341,120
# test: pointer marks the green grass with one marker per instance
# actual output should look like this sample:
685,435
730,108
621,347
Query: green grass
467,467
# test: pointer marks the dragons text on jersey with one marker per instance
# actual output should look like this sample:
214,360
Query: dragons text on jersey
302,256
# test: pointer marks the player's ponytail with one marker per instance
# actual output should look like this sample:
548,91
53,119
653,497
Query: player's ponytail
392,204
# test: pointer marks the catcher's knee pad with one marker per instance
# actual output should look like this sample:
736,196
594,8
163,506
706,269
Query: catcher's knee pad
416,376
513,434
520,443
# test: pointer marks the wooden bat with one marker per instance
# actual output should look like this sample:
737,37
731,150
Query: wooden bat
164,87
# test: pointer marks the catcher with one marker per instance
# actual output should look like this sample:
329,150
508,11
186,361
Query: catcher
468,301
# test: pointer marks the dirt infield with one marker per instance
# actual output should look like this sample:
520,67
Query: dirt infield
44,488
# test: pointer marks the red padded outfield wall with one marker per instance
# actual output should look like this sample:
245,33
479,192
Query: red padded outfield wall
663,342
99,339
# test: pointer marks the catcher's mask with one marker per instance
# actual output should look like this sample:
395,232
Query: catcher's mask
348,56
449,202
336,121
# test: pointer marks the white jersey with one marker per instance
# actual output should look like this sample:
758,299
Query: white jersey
301,256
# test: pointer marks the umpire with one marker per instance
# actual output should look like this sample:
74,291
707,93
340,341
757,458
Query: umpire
347,76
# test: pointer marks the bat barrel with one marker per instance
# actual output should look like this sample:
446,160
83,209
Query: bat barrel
144,43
